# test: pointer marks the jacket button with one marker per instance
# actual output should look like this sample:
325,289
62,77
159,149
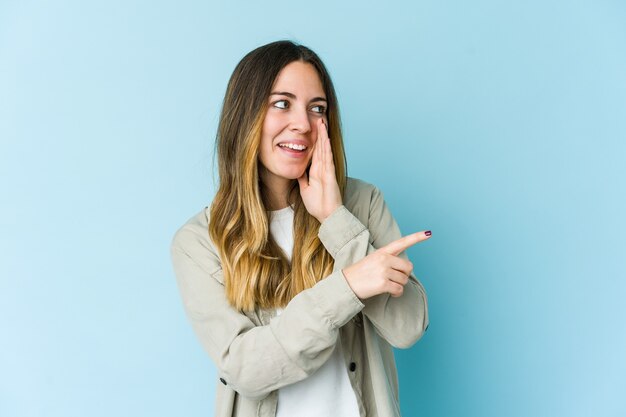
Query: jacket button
223,381
352,366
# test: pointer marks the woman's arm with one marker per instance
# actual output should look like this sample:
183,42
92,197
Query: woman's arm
399,320
255,360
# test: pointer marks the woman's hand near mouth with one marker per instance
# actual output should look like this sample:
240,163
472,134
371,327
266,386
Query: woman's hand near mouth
319,189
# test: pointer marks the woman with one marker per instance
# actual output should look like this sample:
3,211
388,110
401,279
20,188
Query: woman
295,279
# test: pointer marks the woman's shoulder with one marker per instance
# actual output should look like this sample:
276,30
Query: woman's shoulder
192,239
362,199
358,192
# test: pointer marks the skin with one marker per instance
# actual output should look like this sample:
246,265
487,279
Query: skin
300,115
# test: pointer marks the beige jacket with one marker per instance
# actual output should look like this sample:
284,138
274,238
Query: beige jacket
255,357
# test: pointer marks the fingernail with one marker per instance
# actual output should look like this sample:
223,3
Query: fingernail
427,233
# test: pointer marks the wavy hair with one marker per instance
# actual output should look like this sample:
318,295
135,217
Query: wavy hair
256,271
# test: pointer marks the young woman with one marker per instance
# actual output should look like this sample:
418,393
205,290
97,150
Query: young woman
295,279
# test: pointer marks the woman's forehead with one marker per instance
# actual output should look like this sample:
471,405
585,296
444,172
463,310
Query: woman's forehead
299,77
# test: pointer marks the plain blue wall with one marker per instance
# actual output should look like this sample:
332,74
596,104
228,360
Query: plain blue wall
500,125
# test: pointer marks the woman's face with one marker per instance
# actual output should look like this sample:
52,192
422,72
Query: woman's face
296,104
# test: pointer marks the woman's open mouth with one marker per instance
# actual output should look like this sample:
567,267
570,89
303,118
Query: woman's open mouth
293,150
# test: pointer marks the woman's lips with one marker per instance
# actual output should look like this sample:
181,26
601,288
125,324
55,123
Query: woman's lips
292,153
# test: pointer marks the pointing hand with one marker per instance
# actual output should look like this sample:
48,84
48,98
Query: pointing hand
383,271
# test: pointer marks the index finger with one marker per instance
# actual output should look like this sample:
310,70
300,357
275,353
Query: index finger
327,151
319,143
398,246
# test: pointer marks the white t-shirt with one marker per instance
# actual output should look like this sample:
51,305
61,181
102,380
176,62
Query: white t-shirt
326,392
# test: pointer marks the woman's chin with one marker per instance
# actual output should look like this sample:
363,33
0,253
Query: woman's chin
294,174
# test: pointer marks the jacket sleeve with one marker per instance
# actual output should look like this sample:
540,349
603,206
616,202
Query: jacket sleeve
399,320
255,360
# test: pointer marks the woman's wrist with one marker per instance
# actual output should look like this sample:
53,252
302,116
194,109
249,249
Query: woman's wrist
329,213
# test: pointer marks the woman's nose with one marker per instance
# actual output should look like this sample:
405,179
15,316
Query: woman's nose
300,121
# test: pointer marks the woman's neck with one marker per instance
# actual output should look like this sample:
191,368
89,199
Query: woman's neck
274,204
275,191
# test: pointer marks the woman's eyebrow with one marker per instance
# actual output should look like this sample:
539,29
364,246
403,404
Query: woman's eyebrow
291,95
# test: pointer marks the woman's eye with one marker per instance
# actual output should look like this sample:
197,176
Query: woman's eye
281,104
319,109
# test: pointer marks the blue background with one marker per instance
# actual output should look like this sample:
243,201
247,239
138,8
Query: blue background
500,126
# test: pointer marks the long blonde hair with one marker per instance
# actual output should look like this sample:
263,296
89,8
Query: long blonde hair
256,271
